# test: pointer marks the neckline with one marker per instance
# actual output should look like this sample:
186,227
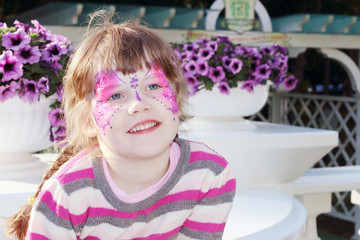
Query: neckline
103,185
142,195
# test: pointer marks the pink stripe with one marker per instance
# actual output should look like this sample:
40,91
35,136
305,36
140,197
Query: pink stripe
191,195
92,238
204,156
228,187
73,176
36,236
205,227
159,235
71,163
59,210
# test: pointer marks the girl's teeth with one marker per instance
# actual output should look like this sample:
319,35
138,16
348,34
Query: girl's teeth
143,127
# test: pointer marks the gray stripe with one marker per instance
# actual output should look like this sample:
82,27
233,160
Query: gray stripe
223,198
200,235
105,188
52,217
126,222
79,184
213,166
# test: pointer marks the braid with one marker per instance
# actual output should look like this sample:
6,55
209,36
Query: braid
18,223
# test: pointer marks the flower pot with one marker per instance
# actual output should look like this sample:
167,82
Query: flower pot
24,130
214,111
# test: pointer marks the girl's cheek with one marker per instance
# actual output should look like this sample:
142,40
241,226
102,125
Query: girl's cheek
103,113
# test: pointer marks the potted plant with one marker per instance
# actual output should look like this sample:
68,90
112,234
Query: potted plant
239,73
32,64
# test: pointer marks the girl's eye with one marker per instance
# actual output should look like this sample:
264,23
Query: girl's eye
116,96
153,87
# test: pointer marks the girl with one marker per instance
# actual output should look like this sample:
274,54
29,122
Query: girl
124,173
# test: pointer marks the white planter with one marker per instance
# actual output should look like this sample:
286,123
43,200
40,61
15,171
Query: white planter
24,130
214,111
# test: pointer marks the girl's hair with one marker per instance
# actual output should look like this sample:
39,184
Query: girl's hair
130,47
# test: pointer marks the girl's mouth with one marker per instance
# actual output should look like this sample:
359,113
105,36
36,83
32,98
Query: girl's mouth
144,127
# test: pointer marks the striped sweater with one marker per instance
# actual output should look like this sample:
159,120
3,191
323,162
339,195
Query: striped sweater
194,203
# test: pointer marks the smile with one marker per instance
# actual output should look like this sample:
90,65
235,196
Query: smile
143,126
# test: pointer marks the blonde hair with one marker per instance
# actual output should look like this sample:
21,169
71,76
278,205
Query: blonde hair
130,47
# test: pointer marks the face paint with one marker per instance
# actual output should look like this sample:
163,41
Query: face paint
167,94
134,84
106,82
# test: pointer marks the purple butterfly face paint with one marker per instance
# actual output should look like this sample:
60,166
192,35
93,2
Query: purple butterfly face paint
167,95
106,82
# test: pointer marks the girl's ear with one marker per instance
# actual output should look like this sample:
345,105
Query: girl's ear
90,129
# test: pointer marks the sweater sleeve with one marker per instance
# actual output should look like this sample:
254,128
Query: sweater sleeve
208,218
50,217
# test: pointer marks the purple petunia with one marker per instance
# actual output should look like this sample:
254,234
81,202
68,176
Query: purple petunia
290,83
10,66
56,117
16,40
211,45
190,47
191,80
8,91
191,67
53,51
203,67
60,133
226,60
28,54
267,50
248,85
206,53
224,88
235,65
29,91
60,93
216,74
263,71
43,85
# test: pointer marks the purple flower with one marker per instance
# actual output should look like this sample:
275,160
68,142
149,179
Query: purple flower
191,67
53,51
203,67
226,61
248,85
223,39
190,47
206,53
216,74
202,40
60,93
60,133
279,79
281,49
21,25
29,91
235,65
10,66
191,80
267,50
263,71
56,117
224,87
290,82
43,85
211,44
3,25
8,91
28,54
15,41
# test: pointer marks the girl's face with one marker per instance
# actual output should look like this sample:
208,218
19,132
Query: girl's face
136,115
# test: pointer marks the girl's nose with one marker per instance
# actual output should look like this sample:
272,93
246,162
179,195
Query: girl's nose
138,106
